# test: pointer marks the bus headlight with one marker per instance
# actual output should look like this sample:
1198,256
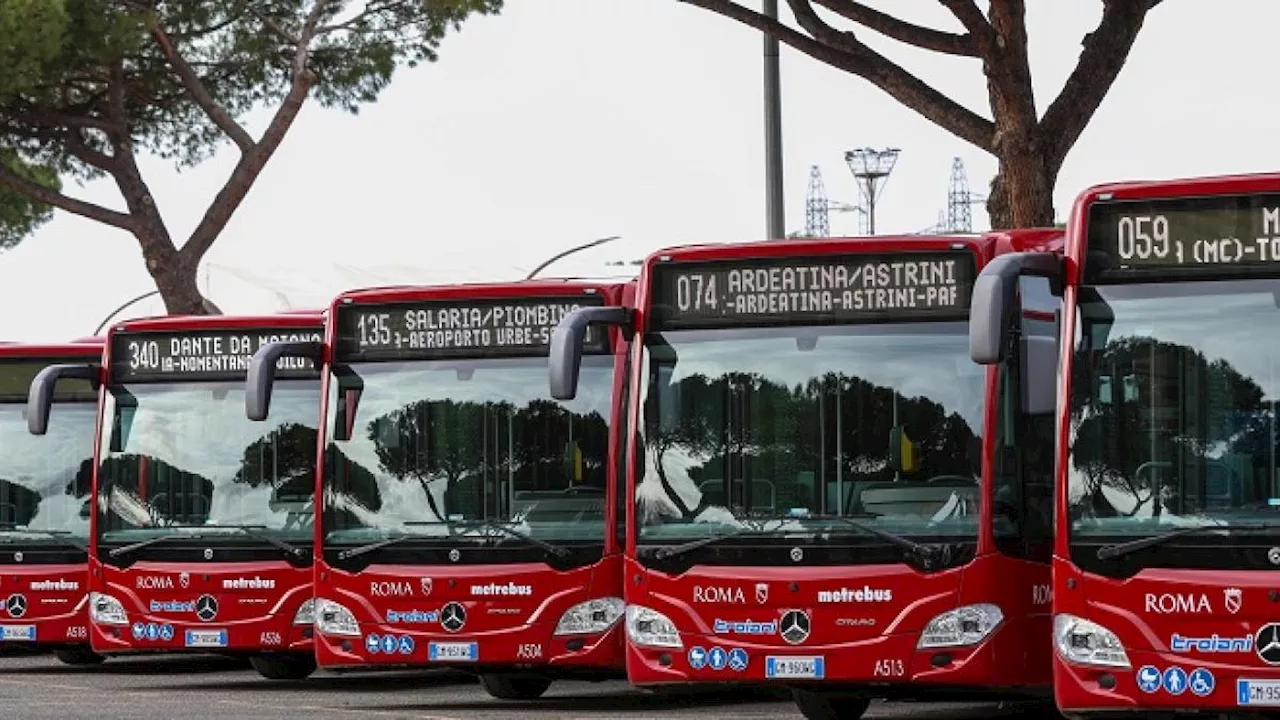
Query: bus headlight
591,617
332,618
964,626
1082,642
106,610
650,628
306,614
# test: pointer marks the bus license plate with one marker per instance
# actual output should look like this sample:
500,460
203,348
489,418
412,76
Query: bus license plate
206,638
456,652
1258,692
794,667
18,632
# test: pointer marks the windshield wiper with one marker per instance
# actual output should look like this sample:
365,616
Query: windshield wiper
1107,552
925,551
253,531
557,550
362,549
664,553
59,535
250,530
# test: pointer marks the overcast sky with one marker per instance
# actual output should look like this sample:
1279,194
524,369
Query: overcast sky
565,120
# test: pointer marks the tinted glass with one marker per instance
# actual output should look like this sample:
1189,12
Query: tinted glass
45,479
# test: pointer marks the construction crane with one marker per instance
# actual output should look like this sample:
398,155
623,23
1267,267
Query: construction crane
818,208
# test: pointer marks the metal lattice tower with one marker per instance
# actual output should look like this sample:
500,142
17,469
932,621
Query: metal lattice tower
871,168
817,220
960,200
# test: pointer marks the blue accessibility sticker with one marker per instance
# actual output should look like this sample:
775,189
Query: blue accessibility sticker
406,645
697,658
166,632
389,644
1148,679
1201,682
153,632
373,643
738,659
139,630
717,658
1175,680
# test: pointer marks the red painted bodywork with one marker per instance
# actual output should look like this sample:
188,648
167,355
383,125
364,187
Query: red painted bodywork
1010,658
60,615
503,625
245,614
1118,605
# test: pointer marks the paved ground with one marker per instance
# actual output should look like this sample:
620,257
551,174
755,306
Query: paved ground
180,687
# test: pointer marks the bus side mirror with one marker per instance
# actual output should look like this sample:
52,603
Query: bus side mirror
565,358
40,394
995,297
262,373
1039,374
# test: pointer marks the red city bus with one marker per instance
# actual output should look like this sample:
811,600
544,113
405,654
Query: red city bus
202,525
827,493
467,519
44,498
1167,550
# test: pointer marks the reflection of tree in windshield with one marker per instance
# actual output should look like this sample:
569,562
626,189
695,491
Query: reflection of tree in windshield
774,441
461,452
1154,419
170,494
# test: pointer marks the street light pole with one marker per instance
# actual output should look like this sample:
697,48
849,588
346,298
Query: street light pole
774,211
113,313
570,251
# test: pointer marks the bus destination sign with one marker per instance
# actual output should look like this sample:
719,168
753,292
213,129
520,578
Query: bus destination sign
222,354
438,329
16,375
1204,235
814,290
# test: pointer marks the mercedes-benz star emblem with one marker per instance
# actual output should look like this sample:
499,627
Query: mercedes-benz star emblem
797,554
17,557
206,608
1267,643
452,617
794,627
208,553
454,555
16,605
1274,555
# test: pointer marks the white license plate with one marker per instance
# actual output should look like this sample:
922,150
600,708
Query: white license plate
25,633
795,667
206,638
1258,692
458,652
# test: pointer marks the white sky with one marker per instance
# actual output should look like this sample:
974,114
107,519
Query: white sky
561,121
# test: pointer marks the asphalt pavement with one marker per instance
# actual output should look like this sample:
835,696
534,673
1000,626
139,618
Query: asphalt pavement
177,687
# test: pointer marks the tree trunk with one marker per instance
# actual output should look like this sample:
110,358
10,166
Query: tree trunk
1021,192
175,281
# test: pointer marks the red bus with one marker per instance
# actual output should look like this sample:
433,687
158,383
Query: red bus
826,493
467,520
201,530
44,497
1168,542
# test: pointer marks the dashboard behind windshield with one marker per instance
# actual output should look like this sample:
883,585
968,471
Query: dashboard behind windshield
1173,407
878,423
443,449
183,454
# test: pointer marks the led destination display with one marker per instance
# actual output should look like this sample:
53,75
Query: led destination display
1222,234
814,290
204,355
16,375
433,329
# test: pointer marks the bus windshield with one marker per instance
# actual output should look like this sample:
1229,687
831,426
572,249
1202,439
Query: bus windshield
45,479
447,449
879,423
1173,407
183,454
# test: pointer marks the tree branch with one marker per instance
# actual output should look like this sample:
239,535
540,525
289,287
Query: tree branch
893,79
1102,57
373,7
200,94
40,193
902,31
967,12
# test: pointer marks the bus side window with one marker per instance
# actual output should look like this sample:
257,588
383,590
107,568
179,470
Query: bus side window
1023,476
